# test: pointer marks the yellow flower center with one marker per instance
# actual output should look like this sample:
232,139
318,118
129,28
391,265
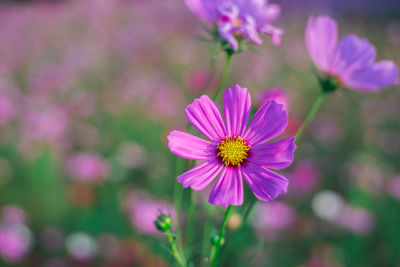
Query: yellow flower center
237,22
233,150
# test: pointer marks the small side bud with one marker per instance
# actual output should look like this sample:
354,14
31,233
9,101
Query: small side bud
163,222
216,240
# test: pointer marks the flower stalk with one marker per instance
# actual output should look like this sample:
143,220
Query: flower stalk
218,240
310,116
174,250
224,77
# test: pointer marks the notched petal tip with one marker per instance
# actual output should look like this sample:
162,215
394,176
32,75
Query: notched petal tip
270,120
265,184
237,107
205,116
200,176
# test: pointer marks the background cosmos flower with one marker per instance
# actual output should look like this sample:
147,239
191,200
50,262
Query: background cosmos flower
275,93
87,167
239,19
349,62
235,151
143,211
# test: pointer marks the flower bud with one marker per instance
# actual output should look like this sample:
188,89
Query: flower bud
163,222
216,240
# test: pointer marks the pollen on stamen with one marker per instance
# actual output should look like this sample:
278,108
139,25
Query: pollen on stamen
233,151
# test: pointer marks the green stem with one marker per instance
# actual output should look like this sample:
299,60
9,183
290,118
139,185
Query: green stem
174,250
224,76
218,244
310,116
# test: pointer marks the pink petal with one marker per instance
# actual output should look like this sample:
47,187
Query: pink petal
272,12
190,147
250,32
275,32
204,9
321,39
205,116
377,76
268,122
265,184
262,11
277,155
237,107
351,54
200,176
226,32
229,188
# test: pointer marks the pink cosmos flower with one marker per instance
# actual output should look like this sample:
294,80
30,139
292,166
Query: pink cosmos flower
272,218
7,110
393,187
277,94
87,167
14,243
351,62
233,150
305,177
238,19
356,219
143,211
13,215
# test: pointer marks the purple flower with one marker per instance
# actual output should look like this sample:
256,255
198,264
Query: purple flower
238,19
351,62
233,150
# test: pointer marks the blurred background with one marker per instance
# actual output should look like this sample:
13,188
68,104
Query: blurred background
90,89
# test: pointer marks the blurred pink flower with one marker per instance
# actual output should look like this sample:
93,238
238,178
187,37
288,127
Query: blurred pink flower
199,80
272,217
87,167
13,215
325,128
48,124
393,187
7,110
277,94
304,177
355,219
14,243
143,211
239,19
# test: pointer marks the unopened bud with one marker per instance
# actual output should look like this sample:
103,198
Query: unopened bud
216,240
163,222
